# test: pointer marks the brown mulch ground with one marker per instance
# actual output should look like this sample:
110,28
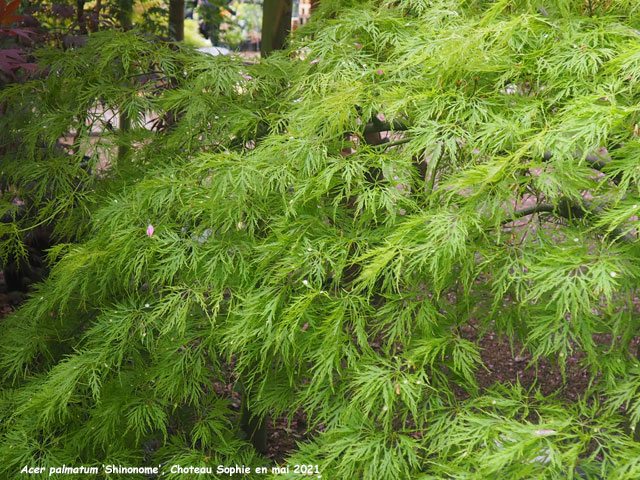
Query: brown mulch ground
505,365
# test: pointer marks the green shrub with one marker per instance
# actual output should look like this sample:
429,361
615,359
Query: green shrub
192,35
265,235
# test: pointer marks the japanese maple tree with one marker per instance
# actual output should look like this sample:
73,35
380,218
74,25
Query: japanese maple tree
320,229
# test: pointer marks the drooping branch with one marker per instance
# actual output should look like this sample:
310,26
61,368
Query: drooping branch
595,161
568,210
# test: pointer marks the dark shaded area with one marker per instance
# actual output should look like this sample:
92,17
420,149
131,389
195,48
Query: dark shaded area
505,365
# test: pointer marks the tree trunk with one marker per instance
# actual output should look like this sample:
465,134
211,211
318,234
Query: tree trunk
176,20
80,17
94,17
276,25
125,13
125,16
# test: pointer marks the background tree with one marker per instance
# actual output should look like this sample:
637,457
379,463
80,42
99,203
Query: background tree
176,20
276,25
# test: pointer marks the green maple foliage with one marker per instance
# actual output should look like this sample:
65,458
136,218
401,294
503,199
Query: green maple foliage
319,228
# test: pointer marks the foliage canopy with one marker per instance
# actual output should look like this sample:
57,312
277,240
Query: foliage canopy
324,266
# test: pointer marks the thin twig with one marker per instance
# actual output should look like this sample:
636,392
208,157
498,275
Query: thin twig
394,143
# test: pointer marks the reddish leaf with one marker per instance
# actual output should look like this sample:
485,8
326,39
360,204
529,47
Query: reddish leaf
64,11
21,32
12,7
30,67
9,60
12,54
7,12
12,59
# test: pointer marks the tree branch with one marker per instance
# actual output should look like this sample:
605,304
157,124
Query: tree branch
394,143
377,126
526,211
568,210
595,161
